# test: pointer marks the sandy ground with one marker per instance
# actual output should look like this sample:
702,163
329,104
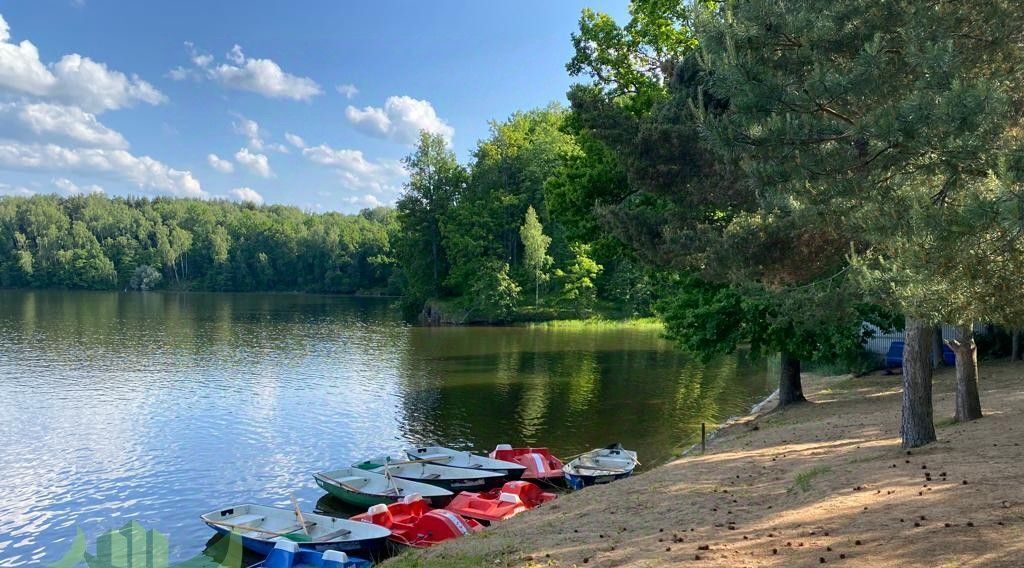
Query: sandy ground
823,483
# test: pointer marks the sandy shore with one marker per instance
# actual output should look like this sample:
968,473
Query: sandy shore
823,483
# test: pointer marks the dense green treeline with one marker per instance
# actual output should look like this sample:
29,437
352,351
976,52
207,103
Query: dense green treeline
513,234
100,243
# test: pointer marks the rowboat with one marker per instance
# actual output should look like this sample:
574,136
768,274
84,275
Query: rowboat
602,465
364,488
261,528
413,523
499,504
468,460
450,478
287,554
538,462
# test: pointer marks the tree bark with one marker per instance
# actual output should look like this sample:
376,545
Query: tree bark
790,389
937,348
1015,349
917,427
968,402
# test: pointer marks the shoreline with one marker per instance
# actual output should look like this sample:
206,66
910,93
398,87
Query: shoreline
819,483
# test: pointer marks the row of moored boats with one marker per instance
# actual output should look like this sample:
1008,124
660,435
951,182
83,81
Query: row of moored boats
427,496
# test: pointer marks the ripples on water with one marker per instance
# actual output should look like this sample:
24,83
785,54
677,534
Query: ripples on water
159,407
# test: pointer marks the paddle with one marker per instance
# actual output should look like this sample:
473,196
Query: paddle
286,534
344,486
298,513
427,460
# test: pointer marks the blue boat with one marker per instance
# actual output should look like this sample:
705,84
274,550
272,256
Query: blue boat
262,528
603,465
287,554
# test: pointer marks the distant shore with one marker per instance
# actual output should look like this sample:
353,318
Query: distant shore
822,483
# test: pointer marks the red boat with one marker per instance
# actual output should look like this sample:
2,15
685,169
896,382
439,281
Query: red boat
499,504
539,462
413,523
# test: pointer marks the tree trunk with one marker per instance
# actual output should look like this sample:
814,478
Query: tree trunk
968,403
937,348
917,427
1015,349
790,389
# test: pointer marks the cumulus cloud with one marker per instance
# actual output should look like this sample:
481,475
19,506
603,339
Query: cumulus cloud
70,187
400,119
356,172
256,163
247,194
348,90
295,140
221,165
15,190
256,137
74,79
46,122
262,76
143,171
368,200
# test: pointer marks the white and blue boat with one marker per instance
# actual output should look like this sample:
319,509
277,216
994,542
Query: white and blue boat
598,466
287,554
261,528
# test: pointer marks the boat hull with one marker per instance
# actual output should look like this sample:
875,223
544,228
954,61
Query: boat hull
364,547
356,499
577,482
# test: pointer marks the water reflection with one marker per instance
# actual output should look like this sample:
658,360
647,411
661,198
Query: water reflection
159,407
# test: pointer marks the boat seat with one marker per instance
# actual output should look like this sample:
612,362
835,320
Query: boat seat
336,534
437,457
351,480
250,520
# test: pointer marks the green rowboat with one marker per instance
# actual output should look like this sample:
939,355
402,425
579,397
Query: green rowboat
363,489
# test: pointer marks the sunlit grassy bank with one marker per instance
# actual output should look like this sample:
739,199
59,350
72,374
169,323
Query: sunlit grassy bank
653,324
822,483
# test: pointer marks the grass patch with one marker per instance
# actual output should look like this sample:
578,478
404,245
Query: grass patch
945,422
802,481
653,324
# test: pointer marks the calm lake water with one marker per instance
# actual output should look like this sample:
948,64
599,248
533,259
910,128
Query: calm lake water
159,407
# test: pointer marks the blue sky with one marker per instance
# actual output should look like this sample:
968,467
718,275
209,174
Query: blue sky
304,103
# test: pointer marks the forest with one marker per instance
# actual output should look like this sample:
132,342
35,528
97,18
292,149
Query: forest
757,174
99,243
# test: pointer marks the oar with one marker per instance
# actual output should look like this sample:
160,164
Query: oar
428,460
344,486
253,529
298,511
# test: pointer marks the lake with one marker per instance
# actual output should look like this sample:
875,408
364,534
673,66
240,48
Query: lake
157,407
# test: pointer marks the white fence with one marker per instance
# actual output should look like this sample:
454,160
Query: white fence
879,344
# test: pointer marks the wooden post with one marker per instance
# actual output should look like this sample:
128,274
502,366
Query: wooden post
703,437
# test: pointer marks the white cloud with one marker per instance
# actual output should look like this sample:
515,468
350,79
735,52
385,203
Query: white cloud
262,76
257,163
74,80
45,122
247,194
119,164
251,130
401,119
348,90
384,176
15,191
219,164
295,140
368,200
68,186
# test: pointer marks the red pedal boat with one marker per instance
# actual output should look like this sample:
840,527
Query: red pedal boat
499,504
539,462
413,523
